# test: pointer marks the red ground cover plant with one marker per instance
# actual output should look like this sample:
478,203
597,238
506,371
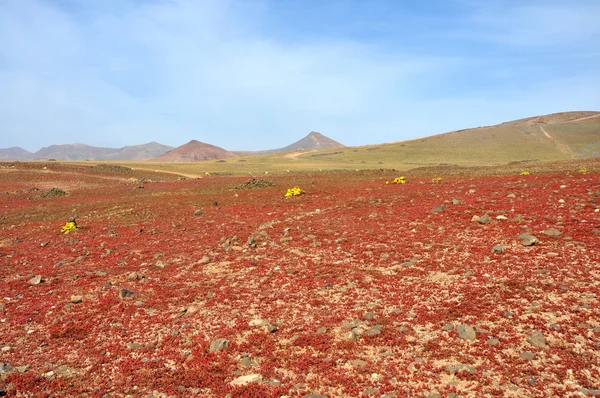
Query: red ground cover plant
355,288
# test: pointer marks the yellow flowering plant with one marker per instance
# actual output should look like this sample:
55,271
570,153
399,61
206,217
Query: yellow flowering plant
294,192
69,227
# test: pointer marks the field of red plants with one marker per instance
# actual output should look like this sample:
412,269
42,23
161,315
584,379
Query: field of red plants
472,286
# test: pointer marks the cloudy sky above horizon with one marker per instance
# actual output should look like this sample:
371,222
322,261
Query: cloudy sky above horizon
261,74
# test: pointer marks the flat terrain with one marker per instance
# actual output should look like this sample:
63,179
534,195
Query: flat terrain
203,287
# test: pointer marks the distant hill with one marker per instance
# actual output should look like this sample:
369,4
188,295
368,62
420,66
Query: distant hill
15,153
73,152
313,141
195,151
87,152
143,152
565,135
559,136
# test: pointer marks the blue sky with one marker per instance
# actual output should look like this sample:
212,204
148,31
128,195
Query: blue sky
260,74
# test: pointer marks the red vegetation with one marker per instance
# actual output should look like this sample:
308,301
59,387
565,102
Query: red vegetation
353,287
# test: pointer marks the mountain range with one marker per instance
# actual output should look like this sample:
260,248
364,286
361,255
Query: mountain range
87,152
565,135
193,151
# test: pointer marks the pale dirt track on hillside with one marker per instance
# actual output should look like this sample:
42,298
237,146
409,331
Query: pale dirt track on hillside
561,147
294,155
585,118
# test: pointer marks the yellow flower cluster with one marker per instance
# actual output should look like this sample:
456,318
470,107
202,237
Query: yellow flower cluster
436,180
524,173
294,192
399,180
68,227
583,170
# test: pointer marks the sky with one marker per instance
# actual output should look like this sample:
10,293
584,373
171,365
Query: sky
261,74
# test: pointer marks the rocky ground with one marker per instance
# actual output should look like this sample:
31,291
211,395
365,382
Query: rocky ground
475,285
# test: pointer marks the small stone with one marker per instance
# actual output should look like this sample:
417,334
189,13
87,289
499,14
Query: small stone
587,391
466,332
6,348
372,332
498,249
350,325
198,212
493,342
485,219
321,330
247,362
475,218
161,264
371,391
76,299
272,328
6,367
133,276
258,322
527,239
204,260
537,340
448,327
456,201
552,232
501,218
252,378
125,293
36,280
218,345
369,316
438,209
530,356
134,346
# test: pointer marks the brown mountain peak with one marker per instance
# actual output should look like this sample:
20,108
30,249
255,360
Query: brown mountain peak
195,151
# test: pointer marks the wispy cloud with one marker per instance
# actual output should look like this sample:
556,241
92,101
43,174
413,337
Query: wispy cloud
249,75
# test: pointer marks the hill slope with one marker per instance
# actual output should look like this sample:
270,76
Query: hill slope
88,152
15,153
313,141
568,135
195,151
